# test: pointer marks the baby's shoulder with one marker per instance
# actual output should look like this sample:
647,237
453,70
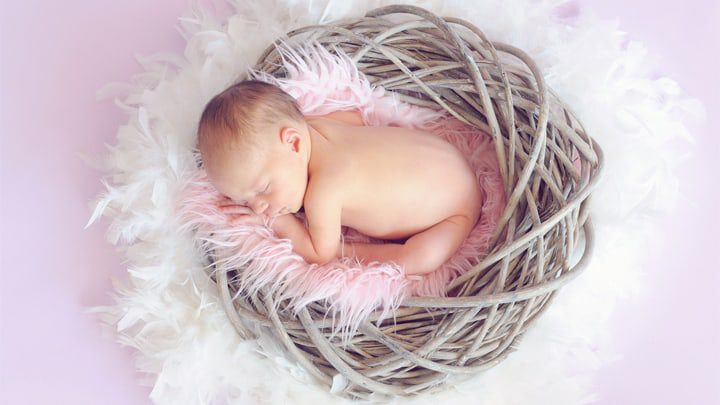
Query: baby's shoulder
325,194
325,183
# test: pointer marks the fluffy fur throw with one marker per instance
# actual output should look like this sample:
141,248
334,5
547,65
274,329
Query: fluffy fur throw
322,83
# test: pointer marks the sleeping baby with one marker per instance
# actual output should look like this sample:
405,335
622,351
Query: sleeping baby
406,186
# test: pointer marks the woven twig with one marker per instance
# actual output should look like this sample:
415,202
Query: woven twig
448,63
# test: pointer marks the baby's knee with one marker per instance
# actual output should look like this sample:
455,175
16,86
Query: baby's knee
427,251
421,258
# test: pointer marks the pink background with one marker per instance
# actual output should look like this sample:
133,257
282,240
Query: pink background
56,55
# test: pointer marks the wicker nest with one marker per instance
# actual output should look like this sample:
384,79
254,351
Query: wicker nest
448,63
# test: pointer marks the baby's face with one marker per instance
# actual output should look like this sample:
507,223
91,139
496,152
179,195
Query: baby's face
271,182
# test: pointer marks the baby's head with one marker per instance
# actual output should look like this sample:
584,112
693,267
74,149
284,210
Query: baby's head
255,147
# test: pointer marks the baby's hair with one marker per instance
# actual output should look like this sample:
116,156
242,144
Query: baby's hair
236,115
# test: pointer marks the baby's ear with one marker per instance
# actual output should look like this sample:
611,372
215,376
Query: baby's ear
290,136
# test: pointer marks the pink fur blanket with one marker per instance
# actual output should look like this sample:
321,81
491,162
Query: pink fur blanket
321,83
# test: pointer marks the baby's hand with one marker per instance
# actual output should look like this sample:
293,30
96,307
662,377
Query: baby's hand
238,214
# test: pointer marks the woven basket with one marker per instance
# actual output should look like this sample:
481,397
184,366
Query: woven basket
447,63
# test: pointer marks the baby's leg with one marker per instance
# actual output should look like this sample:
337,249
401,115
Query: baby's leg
423,252
373,252
428,250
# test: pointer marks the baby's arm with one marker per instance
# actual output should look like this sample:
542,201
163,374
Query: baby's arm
321,241
289,227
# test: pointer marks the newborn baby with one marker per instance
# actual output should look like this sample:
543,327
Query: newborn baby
406,186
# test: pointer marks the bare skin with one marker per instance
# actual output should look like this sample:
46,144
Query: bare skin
386,182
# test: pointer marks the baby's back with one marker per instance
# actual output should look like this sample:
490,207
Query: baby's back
397,181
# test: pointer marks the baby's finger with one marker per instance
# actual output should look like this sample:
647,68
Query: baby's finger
237,219
235,209
232,205
223,200
244,219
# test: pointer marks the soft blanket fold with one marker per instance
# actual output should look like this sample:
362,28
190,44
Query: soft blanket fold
322,83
